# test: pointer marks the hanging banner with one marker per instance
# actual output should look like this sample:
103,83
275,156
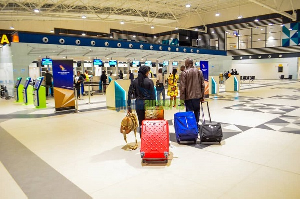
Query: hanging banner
204,69
63,84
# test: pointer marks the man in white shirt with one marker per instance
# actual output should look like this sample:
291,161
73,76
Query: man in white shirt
160,86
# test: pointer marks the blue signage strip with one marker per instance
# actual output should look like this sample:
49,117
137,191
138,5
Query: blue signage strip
96,42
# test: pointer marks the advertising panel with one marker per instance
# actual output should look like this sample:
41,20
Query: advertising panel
204,69
63,84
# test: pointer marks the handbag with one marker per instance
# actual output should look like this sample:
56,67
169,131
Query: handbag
154,113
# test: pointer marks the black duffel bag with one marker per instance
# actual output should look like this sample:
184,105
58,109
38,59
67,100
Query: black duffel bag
210,131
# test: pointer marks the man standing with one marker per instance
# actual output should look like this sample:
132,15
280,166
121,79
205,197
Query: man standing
103,79
192,88
48,80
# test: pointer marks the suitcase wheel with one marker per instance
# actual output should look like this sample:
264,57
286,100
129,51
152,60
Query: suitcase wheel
144,161
166,161
195,141
178,141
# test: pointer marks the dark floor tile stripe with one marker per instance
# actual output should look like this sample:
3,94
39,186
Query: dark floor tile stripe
37,179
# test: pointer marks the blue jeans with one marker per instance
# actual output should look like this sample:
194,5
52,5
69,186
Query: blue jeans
158,92
193,105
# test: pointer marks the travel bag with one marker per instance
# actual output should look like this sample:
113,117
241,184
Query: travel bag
186,127
154,113
155,140
209,131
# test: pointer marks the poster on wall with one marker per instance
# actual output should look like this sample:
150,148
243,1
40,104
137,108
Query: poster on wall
204,69
63,84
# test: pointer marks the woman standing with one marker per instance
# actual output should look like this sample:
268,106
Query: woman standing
172,87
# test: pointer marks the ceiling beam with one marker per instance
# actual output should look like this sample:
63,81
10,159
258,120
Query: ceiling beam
293,17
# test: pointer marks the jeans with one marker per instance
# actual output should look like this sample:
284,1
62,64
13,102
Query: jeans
193,105
158,92
47,89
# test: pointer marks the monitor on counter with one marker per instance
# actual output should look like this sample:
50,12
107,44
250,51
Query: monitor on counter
148,63
197,63
28,80
46,61
135,63
113,63
98,62
175,63
165,63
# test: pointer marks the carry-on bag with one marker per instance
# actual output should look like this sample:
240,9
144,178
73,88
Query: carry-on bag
155,140
209,131
186,127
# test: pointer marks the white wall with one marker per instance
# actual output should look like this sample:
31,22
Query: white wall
6,68
266,68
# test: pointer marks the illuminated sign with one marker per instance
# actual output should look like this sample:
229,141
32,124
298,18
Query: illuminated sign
4,39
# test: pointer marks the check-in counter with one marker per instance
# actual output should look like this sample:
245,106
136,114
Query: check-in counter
116,93
213,85
233,84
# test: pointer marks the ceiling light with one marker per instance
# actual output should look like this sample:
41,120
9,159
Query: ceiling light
152,27
83,34
239,17
261,29
226,32
258,39
176,28
187,37
217,14
122,22
52,31
290,28
256,20
196,29
12,27
133,36
270,24
212,32
36,10
188,5
83,17
111,36
154,36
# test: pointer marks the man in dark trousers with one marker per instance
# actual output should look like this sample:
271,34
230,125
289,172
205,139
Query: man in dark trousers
103,79
48,80
192,88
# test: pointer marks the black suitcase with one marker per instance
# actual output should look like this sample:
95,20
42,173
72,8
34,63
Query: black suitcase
209,131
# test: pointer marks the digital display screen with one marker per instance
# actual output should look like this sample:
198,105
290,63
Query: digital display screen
112,62
46,61
27,82
18,82
175,63
135,63
37,84
148,63
165,63
197,63
98,62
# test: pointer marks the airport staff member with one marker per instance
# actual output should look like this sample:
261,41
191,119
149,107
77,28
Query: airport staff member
143,89
87,78
192,88
48,80
77,81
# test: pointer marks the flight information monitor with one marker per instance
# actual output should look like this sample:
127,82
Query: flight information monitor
135,63
175,63
148,63
112,62
98,62
46,61
165,63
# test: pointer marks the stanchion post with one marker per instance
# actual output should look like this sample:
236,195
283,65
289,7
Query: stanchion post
89,93
76,101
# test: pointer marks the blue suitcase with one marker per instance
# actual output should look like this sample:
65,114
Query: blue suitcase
186,128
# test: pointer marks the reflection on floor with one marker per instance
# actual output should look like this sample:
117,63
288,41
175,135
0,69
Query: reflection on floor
44,154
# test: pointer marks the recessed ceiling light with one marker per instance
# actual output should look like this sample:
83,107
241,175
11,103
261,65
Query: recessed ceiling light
133,36
154,36
212,32
262,29
187,37
188,5
258,39
83,17
111,36
270,24
239,17
12,27
217,14
83,34
226,32
196,29
281,25
51,30
122,22
290,28
256,20
36,10
176,28
152,27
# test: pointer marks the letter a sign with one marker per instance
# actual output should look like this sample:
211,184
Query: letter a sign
4,40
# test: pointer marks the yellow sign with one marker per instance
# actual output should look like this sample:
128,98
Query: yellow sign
4,39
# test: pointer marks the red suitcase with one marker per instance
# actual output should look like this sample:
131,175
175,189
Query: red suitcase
155,140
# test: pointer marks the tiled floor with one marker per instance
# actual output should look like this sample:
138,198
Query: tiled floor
82,155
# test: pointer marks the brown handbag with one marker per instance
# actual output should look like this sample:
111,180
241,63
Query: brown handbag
154,113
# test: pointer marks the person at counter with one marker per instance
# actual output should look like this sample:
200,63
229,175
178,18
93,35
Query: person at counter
142,88
86,74
77,81
131,76
103,79
160,86
121,75
48,81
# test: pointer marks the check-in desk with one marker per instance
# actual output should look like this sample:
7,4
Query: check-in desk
232,84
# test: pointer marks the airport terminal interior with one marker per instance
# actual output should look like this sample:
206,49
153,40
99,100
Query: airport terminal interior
61,138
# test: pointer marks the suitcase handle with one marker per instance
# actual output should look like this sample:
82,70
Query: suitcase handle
201,105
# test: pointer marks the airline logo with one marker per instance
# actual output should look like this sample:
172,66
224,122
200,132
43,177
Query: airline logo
62,68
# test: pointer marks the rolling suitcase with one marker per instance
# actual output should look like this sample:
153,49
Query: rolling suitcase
210,131
155,140
186,128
